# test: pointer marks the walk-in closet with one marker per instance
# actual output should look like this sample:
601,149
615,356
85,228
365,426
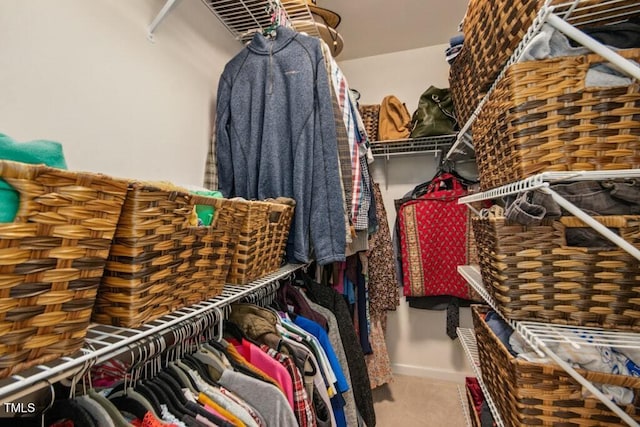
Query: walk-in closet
320,213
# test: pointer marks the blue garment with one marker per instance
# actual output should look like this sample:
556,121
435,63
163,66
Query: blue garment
276,136
501,328
337,401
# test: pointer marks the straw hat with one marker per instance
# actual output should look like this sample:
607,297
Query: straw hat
327,16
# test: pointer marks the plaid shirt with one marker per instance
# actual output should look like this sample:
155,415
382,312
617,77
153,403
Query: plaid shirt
302,407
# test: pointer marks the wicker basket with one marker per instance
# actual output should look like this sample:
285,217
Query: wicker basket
533,275
493,29
52,257
464,91
527,393
370,115
542,118
158,262
262,240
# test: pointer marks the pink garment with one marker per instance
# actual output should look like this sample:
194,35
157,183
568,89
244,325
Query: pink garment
266,363
214,412
202,420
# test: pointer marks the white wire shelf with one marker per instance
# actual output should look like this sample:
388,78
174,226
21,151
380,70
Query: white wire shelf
462,395
244,17
566,17
410,146
468,341
540,335
104,342
544,179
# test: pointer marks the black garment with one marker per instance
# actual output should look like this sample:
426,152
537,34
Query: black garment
363,323
329,298
69,410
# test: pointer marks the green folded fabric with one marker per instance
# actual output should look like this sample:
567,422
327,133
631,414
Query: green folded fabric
33,152
205,212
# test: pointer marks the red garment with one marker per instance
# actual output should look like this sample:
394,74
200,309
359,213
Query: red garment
150,420
65,423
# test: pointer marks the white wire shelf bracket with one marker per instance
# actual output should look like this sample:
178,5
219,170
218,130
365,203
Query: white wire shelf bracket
468,341
566,17
104,342
540,335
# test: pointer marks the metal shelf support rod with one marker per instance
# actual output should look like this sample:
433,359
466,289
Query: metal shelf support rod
572,32
168,6
597,226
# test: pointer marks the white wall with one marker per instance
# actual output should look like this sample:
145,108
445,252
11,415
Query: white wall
416,339
84,73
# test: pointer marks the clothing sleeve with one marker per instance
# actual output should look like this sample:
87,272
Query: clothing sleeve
327,226
226,183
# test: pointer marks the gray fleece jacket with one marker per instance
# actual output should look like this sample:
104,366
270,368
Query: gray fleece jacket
276,136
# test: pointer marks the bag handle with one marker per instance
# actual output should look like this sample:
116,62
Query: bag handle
435,183
435,98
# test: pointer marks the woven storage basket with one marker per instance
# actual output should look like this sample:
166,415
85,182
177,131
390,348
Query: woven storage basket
542,118
158,262
262,239
464,90
52,257
533,275
527,393
494,28
370,115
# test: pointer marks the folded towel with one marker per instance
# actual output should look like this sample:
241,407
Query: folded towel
34,152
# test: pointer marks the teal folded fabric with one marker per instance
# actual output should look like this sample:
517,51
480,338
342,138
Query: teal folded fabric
205,212
34,152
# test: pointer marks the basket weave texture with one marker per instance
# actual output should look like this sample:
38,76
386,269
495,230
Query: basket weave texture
527,393
464,92
493,40
262,239
533,275
473,414
52,257
158,262
370,115
542,118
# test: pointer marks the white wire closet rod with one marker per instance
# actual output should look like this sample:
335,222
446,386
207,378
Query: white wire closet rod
107,341
565,17
539,342
467,339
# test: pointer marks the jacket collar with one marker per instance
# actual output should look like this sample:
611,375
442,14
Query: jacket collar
264,45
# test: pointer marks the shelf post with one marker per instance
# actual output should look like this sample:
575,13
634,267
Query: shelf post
168,6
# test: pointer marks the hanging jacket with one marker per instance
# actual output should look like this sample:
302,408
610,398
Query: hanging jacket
276,136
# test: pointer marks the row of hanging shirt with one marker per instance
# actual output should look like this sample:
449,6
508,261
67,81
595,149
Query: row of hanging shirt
288,125
274,367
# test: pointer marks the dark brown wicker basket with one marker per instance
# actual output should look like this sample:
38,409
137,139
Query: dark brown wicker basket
527,393
158,262
473,414
542,118
464,90
52,257
533,275
370,115
493,29
262,240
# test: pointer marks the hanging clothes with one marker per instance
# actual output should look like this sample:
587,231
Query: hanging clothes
276,136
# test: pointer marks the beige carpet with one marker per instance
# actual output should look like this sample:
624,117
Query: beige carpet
418,402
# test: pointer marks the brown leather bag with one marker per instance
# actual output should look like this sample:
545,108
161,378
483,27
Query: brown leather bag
394,121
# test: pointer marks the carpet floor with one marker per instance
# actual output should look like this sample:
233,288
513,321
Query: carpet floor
418,402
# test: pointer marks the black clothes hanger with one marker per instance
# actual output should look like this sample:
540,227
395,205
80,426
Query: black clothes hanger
150,396
68,409
174,368
130,406
162,397
200,368
172,385
173,396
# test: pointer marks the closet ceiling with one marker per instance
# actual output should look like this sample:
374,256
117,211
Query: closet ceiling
375,27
